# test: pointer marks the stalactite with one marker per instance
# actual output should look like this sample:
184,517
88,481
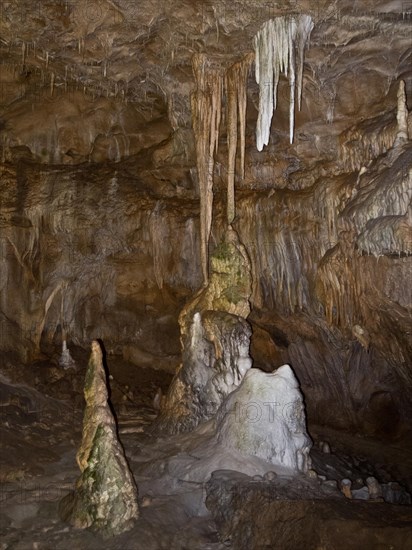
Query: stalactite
236,92
206,111
279,47
402,115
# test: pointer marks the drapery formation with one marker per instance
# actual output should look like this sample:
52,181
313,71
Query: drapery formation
279,47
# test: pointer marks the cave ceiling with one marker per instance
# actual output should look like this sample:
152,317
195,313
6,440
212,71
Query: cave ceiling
122,71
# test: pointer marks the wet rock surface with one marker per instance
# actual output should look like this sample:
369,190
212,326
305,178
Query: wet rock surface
300,513
170,472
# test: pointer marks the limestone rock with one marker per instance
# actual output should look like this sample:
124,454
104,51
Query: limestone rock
215,338
279,516
265,417
374,488
105,498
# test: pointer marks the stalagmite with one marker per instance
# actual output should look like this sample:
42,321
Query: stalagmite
402,116
215,338
265,417
279,47
236,83
105,498
206,113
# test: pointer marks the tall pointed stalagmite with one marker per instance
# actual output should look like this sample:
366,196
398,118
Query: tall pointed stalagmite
105,497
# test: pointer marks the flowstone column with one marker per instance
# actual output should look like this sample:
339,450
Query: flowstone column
105,497
215,340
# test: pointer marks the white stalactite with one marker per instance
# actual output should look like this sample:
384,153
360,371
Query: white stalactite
279,47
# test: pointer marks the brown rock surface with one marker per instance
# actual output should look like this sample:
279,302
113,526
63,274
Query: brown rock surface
99,213
254,515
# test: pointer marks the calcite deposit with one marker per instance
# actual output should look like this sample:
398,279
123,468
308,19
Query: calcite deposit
115,188
215,342
105,497
265,417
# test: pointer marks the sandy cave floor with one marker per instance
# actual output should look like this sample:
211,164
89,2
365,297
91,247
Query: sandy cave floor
41,419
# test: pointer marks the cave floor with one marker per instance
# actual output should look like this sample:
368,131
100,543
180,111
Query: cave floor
41,410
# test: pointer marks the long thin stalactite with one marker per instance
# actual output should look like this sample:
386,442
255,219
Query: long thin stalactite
206,114
236,97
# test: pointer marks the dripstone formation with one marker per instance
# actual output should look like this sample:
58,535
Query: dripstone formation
105,497
215,338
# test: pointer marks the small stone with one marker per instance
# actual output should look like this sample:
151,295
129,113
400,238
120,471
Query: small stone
325,448
312,474
322,478
375,490
330,483
361,494
270,476
146,501
395,493
345,487
257,478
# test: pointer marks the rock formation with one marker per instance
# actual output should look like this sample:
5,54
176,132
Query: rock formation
66,360
279,47
105,498
100,186
402,115
206,114
215,340
265,417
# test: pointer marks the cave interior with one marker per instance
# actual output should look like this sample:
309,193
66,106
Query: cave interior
205,274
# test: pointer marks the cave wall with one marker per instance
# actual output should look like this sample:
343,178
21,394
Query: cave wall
100,196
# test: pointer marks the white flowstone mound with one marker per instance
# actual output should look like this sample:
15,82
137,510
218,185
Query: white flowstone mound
265,417
215,359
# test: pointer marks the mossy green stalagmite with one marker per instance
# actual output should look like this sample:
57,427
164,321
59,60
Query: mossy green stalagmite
105,497
215,339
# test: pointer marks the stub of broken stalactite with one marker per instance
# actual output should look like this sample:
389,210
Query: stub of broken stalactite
402,116
215,339
105,497
265,417
66,360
